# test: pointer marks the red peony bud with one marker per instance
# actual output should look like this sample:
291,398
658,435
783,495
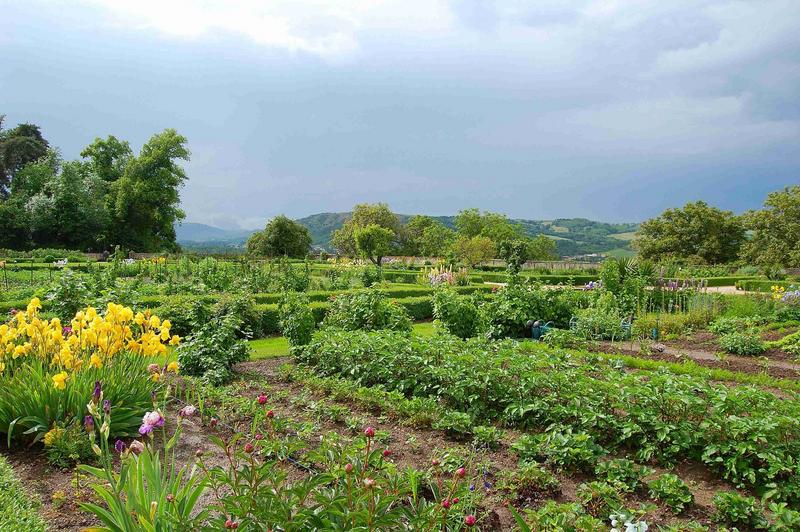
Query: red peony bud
470,520
369,432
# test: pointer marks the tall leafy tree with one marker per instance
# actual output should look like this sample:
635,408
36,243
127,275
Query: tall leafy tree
281,237
474,250
364,214
108,157
19,146
373,242
542,248
776,230
696,233
426,236
145,201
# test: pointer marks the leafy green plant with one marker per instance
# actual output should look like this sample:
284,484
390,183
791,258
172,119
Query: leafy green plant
563,447
367,310
212,350
672,491
529,483
296,319
564,338
460,315
743,343
624,473
455,424
739,510
65,447
599,499
484,437
556,517
69,294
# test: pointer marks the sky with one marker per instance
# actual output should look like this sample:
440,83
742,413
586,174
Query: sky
611,110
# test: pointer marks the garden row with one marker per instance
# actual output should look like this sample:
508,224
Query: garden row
585,404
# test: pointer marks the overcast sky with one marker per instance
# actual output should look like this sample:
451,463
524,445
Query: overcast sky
611,110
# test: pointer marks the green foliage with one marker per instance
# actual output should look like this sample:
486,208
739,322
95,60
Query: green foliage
743,343
486,437
296,319
672,491
557,517
68,446
474,250
368,310
727,325
18,509
515,253
529,482
748,435
30,405
18,147
363,214
282,237
776,230
626,474
695,233
70,293
599,499
211,351
564,338
425,236
457,425
739,510
514,305
460,315
373,242
563,448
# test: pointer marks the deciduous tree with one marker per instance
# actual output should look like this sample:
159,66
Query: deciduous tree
282,237
776,230
696,232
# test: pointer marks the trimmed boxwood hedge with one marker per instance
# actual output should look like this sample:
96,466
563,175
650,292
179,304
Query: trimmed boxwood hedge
573,280
763,285
726,281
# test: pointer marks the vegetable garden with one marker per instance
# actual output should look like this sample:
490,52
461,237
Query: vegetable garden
395,398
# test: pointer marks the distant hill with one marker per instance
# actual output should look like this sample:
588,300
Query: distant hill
573,236
189,232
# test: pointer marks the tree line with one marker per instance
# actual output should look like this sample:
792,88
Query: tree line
702,234
373,232
109,197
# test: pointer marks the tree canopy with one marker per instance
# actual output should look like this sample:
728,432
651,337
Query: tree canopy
695,233
282,237
363,215
110,197
373,242
776,230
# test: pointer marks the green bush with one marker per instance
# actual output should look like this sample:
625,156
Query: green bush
486,437
726,325
672,491
563,448
746,343
18,509
457,425
459,315
212,350
554,516
69,294
296,319
367,311
564,338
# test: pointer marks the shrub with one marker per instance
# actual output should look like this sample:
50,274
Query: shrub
296,319
211,351
368,311
514,305
624,473
529,483
53,369
459,315
737,510
743,343
69,294
18,509
726,325
600,322
672,491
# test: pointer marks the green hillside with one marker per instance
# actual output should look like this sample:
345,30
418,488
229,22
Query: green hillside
574,236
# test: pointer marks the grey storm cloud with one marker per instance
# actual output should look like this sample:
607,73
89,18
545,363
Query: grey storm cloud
604,109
